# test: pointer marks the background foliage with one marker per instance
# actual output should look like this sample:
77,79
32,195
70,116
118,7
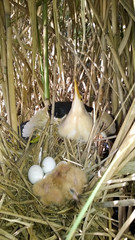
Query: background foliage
100,34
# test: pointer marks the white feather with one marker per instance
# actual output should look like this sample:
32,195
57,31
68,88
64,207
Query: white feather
37,121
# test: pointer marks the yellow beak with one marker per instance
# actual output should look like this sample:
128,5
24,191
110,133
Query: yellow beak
77,90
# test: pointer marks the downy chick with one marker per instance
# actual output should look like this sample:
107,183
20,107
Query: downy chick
66,182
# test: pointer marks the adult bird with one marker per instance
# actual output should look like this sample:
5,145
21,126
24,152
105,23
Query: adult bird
61,109
76,120
78,123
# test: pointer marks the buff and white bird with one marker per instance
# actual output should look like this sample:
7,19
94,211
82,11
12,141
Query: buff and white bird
78,123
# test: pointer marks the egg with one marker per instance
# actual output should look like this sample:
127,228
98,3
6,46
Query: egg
48,164
35,174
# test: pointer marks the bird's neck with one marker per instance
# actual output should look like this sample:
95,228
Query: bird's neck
77,105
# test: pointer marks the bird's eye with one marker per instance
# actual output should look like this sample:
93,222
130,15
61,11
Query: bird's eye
71,191
73,194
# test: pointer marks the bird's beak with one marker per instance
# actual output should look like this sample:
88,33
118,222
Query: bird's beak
77,90
74,195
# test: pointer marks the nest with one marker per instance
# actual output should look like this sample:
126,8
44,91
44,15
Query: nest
22,214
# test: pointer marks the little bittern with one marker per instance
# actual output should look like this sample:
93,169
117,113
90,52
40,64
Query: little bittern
78,123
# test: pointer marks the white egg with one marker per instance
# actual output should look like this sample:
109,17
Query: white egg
48,164
35,174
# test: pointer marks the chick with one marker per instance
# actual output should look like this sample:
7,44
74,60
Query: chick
66,182
78,123
47,191
75,179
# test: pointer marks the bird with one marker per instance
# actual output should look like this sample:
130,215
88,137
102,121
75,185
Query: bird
78,123
39,120
75,119
48,192
64,183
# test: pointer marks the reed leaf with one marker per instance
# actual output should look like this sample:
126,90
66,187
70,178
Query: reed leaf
10,78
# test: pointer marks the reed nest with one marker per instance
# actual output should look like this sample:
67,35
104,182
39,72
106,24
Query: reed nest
23,216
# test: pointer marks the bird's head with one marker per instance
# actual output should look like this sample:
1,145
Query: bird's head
77,104
73,194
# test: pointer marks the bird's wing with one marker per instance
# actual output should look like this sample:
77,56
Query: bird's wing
37,121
